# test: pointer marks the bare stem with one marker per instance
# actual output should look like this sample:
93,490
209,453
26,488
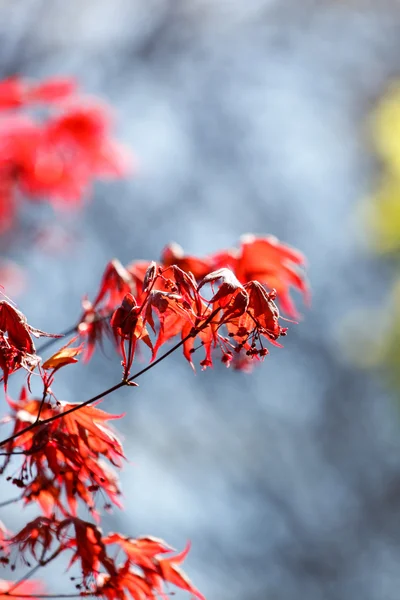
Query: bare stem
49,595
11,501
24,578
112,389
41,403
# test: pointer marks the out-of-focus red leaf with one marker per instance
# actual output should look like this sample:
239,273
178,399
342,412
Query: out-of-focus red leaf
11,93
54,156
269,261
12,276
53,89
25,589
173,254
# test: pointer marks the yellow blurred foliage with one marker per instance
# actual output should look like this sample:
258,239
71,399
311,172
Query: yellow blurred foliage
370,338
382,211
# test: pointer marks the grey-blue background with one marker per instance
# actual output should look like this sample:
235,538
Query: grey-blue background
244,116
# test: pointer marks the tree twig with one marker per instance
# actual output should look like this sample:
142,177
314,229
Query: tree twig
7,502
113,388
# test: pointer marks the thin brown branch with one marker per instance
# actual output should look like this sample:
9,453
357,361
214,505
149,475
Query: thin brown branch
40,564
74,595
14,453
112,389
42,403
11,501
24,578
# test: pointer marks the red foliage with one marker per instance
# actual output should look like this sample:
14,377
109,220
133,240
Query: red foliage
69,450
147,554
56,158
169,301
16,345
275,266
68,454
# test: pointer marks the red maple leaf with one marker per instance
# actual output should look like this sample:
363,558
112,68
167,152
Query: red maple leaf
231,297
65,456
173,254
168,571
267,260
140,551
65,356
89,548
173,313
16,345
129,327
264,259
37,537
149,555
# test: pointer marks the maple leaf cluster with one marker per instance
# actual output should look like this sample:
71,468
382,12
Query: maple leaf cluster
236,320
66,457
66,462
53,144
112,566
224,304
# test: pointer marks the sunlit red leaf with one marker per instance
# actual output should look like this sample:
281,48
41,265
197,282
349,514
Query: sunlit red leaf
64,356
115,284
150,276
173,314
93,327
66,455
37,537
140,551
269,261
89,548
16,345
170,572
45,492
129,327
231,295
173,254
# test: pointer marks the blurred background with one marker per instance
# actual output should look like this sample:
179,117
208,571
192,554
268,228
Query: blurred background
265,116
